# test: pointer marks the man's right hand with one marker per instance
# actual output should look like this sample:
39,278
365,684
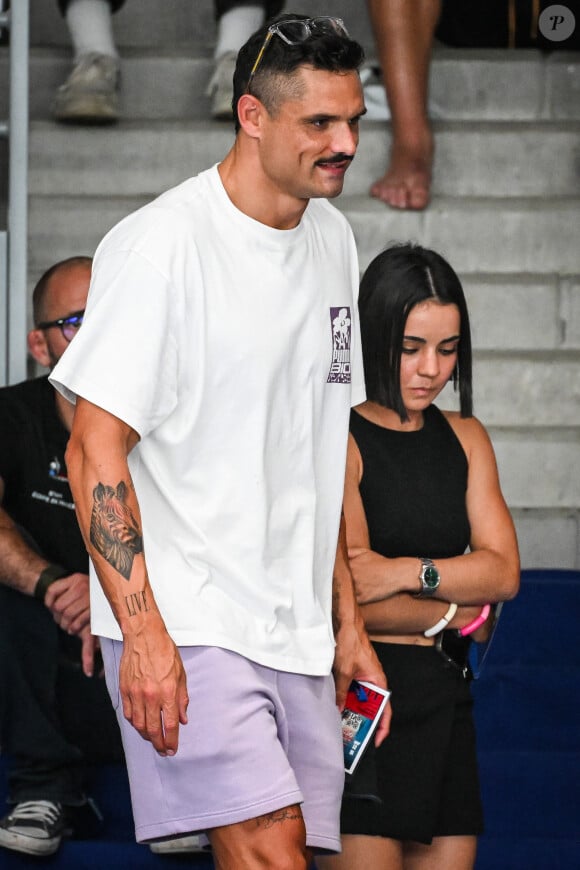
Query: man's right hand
153,687
68,601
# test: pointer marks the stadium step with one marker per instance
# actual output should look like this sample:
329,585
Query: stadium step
505,211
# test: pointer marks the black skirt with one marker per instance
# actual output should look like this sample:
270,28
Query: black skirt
423,781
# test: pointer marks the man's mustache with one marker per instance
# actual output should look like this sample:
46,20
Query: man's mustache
337,158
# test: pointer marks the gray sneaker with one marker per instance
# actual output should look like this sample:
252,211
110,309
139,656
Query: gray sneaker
178,845
221,87
90,95
33,827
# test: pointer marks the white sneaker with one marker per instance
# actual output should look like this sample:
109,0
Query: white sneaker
90,95
177,845
221,87
33,827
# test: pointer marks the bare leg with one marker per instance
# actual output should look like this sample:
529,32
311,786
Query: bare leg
365,853
445,853
404,36
275,841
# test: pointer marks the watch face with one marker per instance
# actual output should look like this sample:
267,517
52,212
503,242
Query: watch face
431,576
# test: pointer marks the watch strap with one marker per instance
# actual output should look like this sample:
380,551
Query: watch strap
47,577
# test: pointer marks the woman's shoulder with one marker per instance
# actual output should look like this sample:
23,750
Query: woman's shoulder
354,462
470,431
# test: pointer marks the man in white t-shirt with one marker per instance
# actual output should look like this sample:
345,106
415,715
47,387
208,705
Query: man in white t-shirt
214,374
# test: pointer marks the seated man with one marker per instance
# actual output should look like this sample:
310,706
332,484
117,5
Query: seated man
55,713
56,716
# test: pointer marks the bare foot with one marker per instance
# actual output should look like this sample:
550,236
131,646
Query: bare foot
407,182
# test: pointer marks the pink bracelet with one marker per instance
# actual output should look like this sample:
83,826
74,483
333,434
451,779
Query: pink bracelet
474,625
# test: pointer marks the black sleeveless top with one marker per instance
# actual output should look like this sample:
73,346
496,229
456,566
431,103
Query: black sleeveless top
413,487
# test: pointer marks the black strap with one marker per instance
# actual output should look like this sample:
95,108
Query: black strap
48,576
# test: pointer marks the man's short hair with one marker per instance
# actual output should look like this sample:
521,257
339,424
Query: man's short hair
39,292
276,78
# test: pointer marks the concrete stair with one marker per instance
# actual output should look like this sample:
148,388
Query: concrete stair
505,211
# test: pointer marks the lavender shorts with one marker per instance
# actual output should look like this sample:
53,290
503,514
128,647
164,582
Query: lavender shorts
257,740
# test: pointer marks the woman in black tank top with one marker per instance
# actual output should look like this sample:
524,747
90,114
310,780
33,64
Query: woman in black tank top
431,543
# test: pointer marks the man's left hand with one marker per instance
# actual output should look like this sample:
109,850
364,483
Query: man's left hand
68,601
355,659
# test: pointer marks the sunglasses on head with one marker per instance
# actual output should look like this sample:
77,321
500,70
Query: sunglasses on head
297,30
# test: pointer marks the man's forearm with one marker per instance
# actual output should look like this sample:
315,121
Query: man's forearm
111,525
20,565
354,657
110,518
152,679
345,610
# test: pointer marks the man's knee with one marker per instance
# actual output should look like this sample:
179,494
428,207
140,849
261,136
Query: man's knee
273,841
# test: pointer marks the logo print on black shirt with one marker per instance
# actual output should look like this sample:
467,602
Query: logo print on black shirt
54,470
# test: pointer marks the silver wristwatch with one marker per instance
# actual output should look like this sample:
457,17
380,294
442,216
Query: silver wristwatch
428,577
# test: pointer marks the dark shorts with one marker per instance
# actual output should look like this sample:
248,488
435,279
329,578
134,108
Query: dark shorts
114,4
486,24
272,7
423,781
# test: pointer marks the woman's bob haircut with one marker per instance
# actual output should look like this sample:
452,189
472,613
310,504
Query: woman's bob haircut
399,278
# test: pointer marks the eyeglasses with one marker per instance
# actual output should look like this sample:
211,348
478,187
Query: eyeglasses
68,326
297,30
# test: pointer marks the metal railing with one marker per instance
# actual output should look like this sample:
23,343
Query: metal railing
13,239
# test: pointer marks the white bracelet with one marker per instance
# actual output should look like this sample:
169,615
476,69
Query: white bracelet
443,622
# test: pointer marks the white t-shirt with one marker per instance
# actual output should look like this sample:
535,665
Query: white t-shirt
230,348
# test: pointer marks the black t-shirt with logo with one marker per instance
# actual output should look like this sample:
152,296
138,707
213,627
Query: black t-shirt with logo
36,491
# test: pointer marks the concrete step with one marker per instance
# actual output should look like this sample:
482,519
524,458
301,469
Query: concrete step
539,312
484,158
169,82
525,391
548,538
515,235
147,23
505,212
473,159
497,84
155,84
523,388
532,390
529,399
539,469
522,84
507,236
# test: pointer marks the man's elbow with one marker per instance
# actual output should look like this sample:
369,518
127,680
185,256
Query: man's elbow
73,458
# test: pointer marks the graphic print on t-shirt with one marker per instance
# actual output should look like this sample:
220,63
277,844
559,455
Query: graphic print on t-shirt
54,470
340,322
61,496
